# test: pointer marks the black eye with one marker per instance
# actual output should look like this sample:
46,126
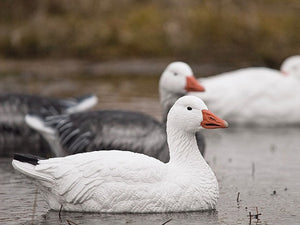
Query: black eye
189,108
175,74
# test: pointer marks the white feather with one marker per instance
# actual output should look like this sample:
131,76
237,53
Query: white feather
38,124
47,132
30,170
83,105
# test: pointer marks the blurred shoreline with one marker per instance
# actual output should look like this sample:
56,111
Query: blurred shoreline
247,33
134,67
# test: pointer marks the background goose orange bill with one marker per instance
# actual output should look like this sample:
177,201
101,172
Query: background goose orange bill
193,85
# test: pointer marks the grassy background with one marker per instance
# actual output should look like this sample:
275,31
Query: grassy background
256,32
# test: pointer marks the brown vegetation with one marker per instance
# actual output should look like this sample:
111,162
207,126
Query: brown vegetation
260,31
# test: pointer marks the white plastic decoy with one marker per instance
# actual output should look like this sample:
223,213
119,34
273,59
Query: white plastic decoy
123,181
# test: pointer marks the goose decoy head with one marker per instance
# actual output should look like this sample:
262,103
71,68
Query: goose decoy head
190,113
178,78
291,66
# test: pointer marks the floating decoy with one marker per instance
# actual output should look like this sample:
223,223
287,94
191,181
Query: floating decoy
256,96
124,181
15,133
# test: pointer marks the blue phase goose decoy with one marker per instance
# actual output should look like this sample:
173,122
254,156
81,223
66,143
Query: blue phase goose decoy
124,181
256,96
112,129
15,133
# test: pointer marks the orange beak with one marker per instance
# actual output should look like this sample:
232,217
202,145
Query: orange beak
193,85
211,121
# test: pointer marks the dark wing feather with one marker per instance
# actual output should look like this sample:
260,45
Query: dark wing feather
110,130
72,131
14,132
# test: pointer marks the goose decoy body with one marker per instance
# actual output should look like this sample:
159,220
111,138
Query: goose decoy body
256,96
15,133
123,130
124,181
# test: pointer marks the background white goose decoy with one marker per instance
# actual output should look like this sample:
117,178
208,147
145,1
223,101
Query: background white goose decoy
122,181
256,96
15,133
291,66
123,130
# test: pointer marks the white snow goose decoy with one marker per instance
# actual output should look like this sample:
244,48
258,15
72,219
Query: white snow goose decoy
15,133
115,129
256,96
123,181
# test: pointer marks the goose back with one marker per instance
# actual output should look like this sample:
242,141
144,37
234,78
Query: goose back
108,130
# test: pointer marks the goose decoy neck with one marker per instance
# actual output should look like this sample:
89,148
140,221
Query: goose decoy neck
183,147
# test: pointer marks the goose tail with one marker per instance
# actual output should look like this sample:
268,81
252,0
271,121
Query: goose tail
83,103
26,164
38,124
47,131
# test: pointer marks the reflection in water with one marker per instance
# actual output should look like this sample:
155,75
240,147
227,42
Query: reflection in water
232,154
95,218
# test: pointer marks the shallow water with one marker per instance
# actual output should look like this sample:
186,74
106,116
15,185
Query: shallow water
262,164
